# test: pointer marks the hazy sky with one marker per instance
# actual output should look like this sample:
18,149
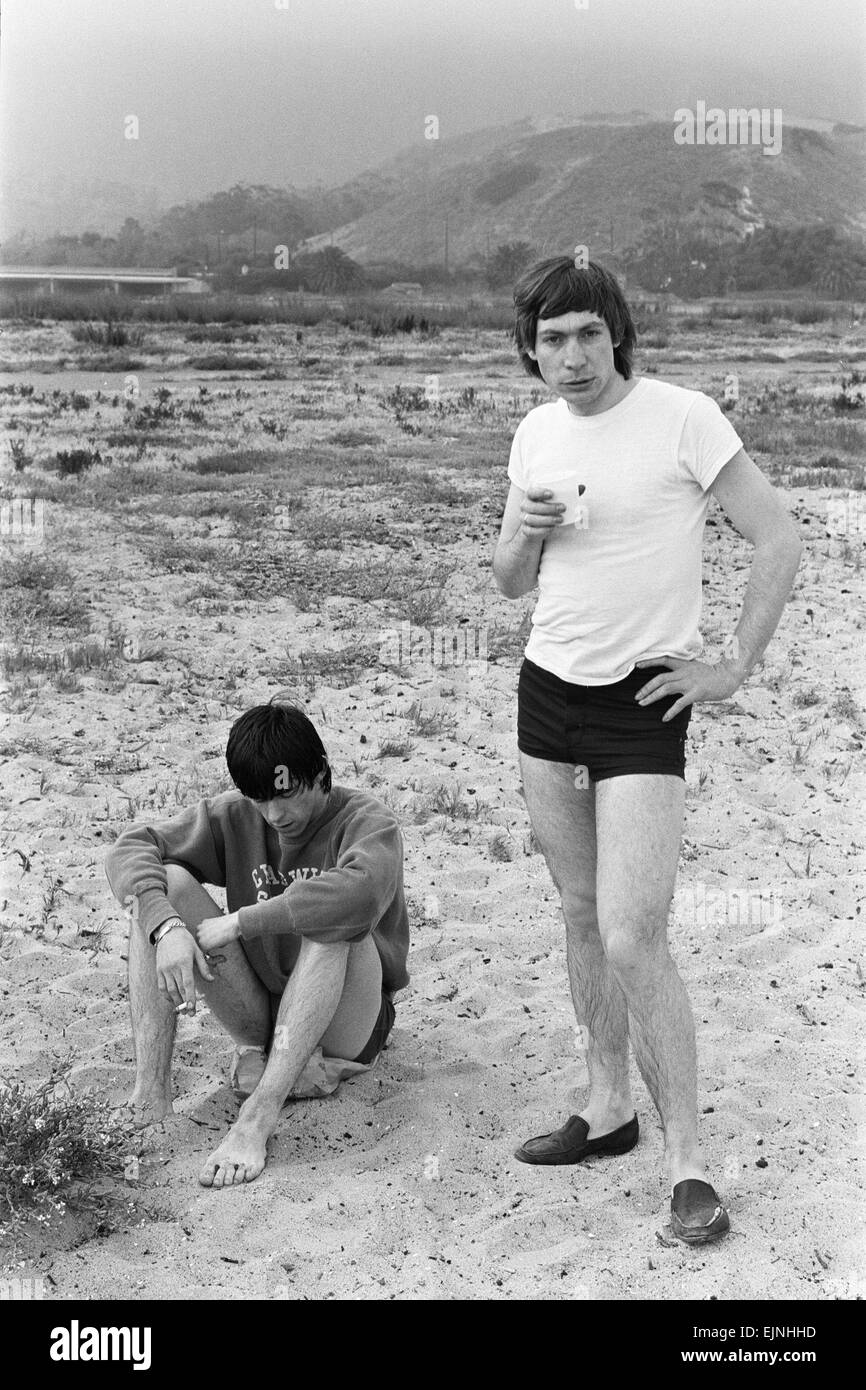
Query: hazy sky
300,91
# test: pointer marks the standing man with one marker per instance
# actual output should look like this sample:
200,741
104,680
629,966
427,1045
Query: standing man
610,487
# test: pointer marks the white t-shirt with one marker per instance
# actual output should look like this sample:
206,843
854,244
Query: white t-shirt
628,587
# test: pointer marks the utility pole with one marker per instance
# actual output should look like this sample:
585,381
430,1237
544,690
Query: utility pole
254,241
446,245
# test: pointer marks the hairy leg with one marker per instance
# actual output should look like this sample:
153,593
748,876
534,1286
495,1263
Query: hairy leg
153,1028
236,996
332,1000
563,819
639,823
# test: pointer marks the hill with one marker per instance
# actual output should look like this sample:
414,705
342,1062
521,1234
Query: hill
608,181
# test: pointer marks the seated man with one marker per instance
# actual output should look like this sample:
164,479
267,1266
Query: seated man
303,968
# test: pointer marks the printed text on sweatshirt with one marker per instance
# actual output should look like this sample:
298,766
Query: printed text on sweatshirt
344,882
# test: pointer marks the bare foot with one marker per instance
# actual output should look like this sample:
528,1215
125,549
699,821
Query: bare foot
239,1158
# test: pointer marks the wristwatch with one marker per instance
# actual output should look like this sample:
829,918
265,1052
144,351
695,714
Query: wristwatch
164,928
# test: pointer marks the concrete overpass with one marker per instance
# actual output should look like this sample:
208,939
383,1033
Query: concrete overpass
87,279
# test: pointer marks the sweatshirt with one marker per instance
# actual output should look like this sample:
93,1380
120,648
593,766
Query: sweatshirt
342,883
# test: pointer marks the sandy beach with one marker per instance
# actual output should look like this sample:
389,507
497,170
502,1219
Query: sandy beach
402,1185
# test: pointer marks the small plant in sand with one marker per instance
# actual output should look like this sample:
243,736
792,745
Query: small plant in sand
55,1144
797,752
48,907
805,698
499,847
448,800
19,454
846,707
429,722
395,748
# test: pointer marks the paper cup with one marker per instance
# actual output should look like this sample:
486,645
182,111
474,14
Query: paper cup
564,489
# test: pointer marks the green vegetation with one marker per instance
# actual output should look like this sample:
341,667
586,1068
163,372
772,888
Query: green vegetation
55,1147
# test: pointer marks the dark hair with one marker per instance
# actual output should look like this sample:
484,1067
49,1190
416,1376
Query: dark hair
273,736
555,287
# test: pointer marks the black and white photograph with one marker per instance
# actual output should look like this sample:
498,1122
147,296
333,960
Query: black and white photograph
431,618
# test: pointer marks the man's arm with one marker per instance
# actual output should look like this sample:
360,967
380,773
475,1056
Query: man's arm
526,524
758,512
135,863
339,904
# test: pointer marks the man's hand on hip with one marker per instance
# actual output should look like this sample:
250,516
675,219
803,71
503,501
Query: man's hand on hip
693,681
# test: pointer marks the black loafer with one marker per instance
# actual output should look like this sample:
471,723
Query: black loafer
571,1145
697,1215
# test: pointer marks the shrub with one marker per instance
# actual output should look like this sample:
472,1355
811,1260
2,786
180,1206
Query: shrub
404,398
220,333
110,334
54,1144
225,362
19,454
238,461
76,461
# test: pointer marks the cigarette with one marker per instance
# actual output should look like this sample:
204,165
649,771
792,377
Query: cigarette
183,1008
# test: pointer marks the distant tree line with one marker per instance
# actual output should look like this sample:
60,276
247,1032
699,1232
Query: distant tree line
233,235
811,258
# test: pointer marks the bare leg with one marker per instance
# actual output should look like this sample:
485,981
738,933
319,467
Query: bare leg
153,1025
563,818
639,826
332,999
235,996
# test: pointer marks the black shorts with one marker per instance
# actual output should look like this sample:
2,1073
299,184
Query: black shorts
377,1039
600,727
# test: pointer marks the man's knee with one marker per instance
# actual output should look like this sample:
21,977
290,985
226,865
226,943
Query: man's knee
580,911
181,885
334,953
636,950
359,1004
357,960
364,966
